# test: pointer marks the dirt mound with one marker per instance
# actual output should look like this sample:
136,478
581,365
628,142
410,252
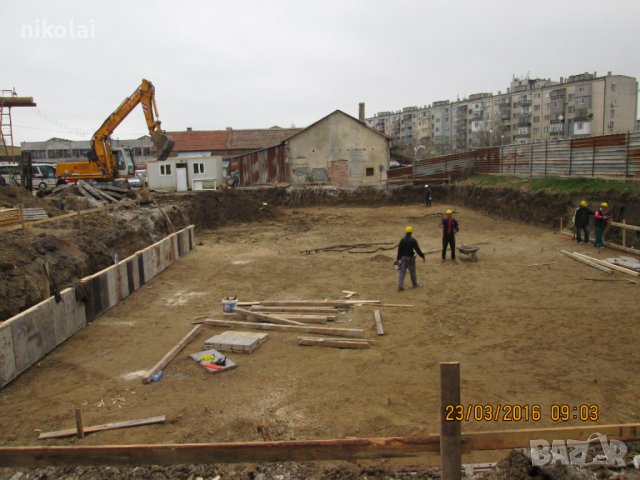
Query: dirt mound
382,259
13,195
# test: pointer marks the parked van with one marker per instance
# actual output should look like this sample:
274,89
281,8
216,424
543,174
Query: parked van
44,174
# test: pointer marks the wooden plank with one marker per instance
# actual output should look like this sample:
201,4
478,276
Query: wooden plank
378,319
612,266
450,429
337,332
295,450
203,453
309,318
302,303
622,248
508,439
266,318
332,342
58,217
541,264
395,305
625,226
587,262
100,428
317,310
164,361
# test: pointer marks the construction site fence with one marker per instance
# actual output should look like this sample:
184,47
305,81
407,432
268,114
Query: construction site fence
616,156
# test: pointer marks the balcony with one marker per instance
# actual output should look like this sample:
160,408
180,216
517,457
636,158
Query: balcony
504,113
524,102
524,120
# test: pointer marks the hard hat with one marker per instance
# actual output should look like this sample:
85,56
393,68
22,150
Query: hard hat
583,203
426,186
604,204
408,230
449,212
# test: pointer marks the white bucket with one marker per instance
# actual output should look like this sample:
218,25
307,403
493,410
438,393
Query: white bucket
229,306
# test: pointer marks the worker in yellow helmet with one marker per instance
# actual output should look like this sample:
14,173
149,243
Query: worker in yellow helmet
581,221
601,219
449,226
406,258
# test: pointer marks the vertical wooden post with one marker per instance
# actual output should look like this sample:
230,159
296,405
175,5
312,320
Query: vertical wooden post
24,223
79,424
450,430
624,233
561,221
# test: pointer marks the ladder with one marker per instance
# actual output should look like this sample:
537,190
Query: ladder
6,126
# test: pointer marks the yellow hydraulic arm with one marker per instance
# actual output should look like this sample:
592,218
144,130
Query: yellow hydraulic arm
101,141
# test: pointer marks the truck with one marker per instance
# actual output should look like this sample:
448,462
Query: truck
107,163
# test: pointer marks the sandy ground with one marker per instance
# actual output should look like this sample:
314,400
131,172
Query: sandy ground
523,335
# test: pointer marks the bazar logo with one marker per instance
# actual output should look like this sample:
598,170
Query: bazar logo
43,30
576,452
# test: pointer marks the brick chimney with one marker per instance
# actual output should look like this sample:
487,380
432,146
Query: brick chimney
189,129
361,111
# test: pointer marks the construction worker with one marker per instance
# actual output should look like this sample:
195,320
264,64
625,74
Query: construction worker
449,226
427,196
601,217
406,258
581,221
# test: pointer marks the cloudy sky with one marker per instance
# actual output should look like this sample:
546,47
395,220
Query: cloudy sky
259,63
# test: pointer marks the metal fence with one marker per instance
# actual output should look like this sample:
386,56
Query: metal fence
604,156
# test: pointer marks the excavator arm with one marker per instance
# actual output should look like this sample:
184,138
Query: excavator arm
101,141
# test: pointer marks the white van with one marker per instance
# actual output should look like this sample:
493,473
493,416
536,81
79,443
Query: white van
44,174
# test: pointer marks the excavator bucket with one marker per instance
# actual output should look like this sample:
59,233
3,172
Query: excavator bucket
163,144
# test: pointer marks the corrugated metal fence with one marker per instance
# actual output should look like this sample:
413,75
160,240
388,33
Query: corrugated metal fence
605,156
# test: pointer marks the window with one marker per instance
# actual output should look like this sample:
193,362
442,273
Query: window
547,106
613,113
536,95
582,100
369,171
546,130
536,118
536,108
571,109
610,124
198,167
515,104
613,87
165,169
547,118
536,131
571,96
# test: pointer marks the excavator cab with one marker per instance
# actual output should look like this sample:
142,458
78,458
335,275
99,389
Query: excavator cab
124,161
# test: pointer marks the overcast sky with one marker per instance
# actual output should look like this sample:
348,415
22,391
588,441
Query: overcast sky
259,63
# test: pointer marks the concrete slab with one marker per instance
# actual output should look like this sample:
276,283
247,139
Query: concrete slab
7,357
237,342
207,358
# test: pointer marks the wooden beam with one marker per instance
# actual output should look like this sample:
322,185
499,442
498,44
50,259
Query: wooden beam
541,264
612,266
164,361
100,428
296,450
450,427
508,439
283,308
79,423
309,318
332,342
625,226
266,318
632,251
337,332
378,320
587,262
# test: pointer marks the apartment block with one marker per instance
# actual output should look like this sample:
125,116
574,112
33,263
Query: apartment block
531,110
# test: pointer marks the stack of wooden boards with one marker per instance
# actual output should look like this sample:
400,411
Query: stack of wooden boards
297,315
10,216
607,266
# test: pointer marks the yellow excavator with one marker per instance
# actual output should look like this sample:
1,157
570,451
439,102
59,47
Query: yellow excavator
106,163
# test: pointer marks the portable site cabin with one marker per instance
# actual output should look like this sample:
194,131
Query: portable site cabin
185,173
